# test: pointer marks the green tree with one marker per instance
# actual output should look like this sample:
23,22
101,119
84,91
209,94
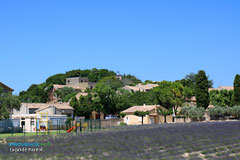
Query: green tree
141,114
190,82
122,115
201,89
8,102
83,106
130,80
196,113
164,113
139,98
170,95
57,79
65,93
237,90
106,93
36,93
217,112
222,98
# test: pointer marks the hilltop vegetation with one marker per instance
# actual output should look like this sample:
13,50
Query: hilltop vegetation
108,96
38,93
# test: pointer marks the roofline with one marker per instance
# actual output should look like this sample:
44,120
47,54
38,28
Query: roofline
6,86
137,110
40,109
158,106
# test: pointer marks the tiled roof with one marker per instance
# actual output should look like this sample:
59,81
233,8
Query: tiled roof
3,85
229,88
131,88
81,94
40,109
57,86
140,87
45,105
143,108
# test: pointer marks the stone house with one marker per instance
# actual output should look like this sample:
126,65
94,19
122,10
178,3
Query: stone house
152,118
140,87
82,82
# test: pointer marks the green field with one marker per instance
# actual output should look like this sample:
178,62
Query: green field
5,135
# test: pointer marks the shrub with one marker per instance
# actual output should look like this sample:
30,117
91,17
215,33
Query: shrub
196,113
68,120
123,124
184,111
123,115
193,112
235,111
218,112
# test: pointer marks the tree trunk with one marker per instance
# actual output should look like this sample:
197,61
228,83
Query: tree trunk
165,119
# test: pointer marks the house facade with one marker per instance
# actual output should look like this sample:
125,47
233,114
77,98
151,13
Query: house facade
37,116
82,82
228,88
140,87
152,118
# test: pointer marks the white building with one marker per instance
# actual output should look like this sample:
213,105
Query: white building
34,116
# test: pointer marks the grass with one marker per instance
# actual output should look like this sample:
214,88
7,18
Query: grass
5,135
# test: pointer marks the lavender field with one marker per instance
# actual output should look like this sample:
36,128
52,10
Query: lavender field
193,141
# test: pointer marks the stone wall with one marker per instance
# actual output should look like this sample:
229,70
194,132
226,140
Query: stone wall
110,122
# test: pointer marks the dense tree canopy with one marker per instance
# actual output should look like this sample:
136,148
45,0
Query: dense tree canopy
8,102
237,90
222,98
201,89
36,93
130,80
106,92
39,93
189,83
170,94
84,106
65,93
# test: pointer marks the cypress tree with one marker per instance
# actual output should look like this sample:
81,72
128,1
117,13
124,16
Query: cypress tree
201,89
237,90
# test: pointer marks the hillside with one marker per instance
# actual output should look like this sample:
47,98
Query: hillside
39,93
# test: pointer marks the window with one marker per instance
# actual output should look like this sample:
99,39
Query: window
32,111
32,122
22,122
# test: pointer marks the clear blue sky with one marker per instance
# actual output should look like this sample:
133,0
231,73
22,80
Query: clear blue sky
151,39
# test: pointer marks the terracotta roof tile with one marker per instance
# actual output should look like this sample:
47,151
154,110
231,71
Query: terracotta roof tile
143,108
45,105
